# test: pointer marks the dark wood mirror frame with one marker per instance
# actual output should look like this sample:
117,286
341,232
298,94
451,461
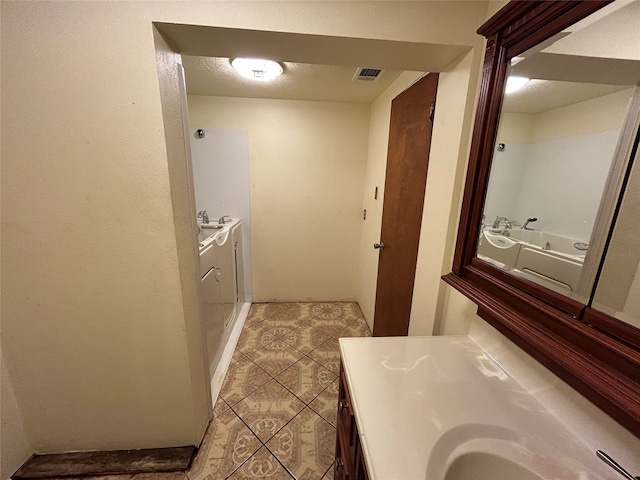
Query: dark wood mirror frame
598,355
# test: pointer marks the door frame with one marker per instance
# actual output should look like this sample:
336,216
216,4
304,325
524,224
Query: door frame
403,207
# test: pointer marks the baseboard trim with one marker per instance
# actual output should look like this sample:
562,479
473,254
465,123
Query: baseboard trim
112,462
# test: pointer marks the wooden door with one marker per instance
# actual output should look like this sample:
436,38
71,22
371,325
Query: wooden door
407,161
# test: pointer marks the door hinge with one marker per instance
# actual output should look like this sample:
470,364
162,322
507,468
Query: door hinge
432,111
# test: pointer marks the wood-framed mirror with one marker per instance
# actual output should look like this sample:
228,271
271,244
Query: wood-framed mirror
549,225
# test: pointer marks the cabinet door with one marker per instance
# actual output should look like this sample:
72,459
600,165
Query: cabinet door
340,471
361,469
349,456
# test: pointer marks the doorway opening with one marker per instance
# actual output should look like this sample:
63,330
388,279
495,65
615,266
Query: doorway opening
277,223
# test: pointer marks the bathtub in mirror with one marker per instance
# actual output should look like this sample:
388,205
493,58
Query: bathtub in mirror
561,144
548,235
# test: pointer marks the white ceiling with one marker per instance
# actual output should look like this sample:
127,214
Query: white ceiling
597,56
300,81
310,49
322,68
316,67
542,95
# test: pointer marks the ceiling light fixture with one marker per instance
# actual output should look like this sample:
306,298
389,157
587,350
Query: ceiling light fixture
257,68
515,83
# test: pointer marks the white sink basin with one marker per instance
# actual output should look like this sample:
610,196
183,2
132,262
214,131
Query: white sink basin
441,408
486,466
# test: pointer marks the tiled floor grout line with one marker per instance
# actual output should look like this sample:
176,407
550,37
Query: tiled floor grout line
273,377
292,346
300,326
264,443
327,470
306,405
280,333
249,457
309,404
293,393
280,462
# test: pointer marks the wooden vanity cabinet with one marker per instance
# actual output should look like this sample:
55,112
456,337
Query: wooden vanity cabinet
349,463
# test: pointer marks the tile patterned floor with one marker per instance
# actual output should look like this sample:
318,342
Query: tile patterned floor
275,417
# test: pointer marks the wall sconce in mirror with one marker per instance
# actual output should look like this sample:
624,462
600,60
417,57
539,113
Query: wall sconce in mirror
566,288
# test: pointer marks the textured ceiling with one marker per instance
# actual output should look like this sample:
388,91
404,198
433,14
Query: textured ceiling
598,56
542,95
216,77
317,67
605,36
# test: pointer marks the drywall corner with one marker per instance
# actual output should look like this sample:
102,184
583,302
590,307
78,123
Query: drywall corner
14,446
174,113
455,106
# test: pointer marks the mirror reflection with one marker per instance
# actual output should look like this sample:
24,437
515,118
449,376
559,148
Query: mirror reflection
618,289
562,152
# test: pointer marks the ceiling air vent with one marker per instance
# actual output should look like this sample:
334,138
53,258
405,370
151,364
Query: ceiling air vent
368,74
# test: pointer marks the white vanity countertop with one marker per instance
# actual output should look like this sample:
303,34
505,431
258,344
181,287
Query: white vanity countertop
422,402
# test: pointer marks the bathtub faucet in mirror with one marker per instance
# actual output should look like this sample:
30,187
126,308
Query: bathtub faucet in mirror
529,220
496,223
204,216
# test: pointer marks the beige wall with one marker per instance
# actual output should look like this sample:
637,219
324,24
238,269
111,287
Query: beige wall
174,111
617,292
454,312
494,5
307,167
447,163
433,300
14,447
515,127
631,310
600,114
98,341
93,327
